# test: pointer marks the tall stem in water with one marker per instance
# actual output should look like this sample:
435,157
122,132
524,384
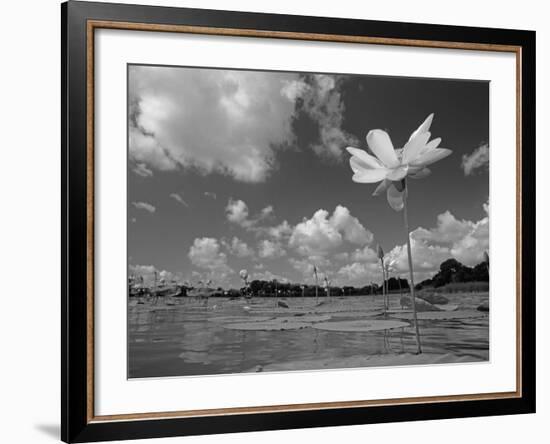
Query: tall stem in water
411,271
383,283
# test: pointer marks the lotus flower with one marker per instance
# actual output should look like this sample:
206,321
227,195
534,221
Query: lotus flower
391,166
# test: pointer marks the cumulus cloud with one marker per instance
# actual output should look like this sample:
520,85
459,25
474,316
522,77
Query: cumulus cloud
427,258
342,257
350,227
320,98
479,158
324,232
266,212
179,199
213,120
303,266
141,170
359,273
211,195
365,254
205,253
144,206
270,249
147,274
448,230
238,247
237,212
268,276
277,232
463,240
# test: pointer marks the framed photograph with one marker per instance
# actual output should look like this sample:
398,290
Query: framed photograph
276,221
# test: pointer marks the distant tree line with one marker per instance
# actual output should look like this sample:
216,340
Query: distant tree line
452,271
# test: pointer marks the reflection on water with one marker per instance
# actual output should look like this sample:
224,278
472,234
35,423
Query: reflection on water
176,338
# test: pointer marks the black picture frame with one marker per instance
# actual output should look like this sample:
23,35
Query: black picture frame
77,425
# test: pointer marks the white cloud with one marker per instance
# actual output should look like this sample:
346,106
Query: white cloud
270,249
342,257
237,212
303,266
179,199
365,254
469,250
205,253
426,258
213,120
359,274
211,195
238,248
448,230
141,170
147,273
266,212
352,230
323,233
144,206
321,100
479,158
277,232
462,239
268,276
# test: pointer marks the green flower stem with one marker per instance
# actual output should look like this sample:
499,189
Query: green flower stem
411,272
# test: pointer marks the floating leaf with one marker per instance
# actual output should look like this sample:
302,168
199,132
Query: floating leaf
233,319
358,314
447,307
304,318
272,325
362,325
441,315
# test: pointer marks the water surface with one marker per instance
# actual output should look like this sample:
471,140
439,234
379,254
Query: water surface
175,337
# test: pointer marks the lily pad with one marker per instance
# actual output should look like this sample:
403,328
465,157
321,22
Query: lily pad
285,311
441,315
304,318
362,325
234,319
434,298
357,314
272,325
447,307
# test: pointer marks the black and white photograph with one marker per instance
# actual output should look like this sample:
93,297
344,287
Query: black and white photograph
282,221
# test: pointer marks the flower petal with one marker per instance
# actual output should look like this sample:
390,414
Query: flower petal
414,147
432,145
370,176
382,187
380,144
359,164
362,155
431,157
395,198
424,172
424,127
398,173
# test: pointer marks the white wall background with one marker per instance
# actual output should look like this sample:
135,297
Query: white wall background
30,221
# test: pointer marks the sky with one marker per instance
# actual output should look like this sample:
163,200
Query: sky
235,169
